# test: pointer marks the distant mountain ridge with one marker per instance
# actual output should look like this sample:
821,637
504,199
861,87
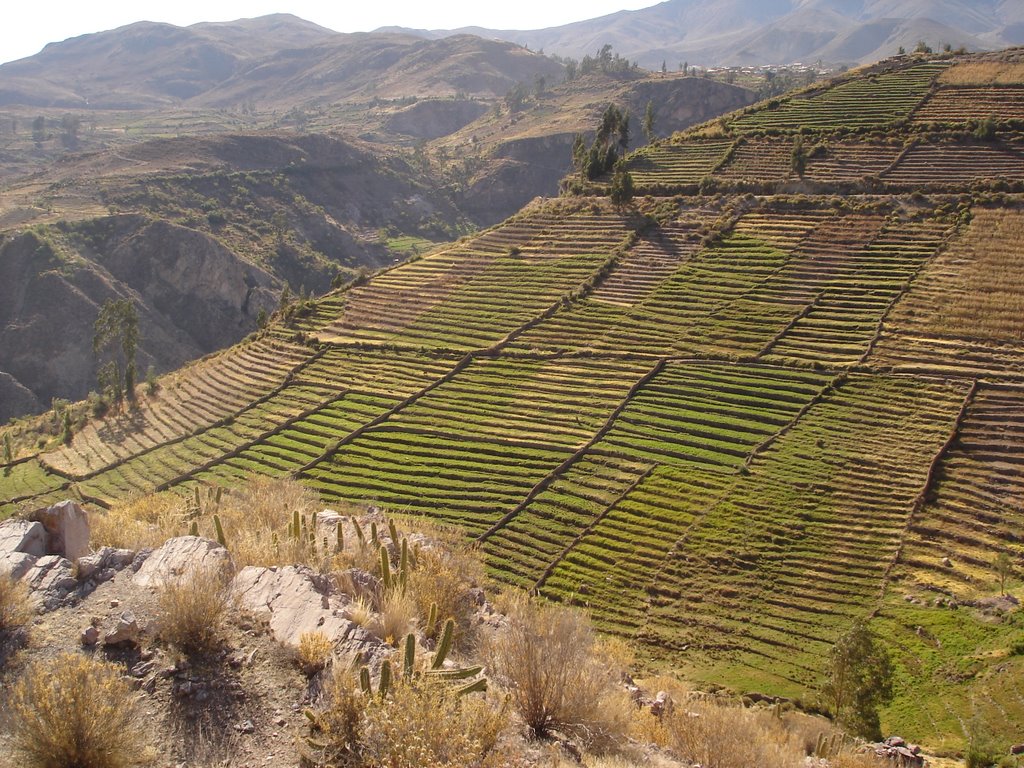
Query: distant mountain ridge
753,32
280,60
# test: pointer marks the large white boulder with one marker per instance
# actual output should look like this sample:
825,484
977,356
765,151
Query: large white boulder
181,556
67,529
23,536
295,600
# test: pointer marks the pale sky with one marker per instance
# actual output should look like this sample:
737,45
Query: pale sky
28,25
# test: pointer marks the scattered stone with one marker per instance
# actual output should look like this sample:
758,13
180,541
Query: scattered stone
67,529
897,752
246,726
90,636
142,669
126,631
149,685
115,603
947,562
182,555
1017,749
280,722
662,704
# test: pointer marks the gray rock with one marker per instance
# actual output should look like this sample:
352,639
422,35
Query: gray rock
25,536
183,555
293,599
126,631
90,636
67,529
102,565
16,564
51,578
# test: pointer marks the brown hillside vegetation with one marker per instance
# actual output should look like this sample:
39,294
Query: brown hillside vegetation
732,417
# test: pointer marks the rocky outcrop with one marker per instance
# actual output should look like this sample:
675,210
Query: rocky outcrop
193,296
295,600
181,556
67,529
15,398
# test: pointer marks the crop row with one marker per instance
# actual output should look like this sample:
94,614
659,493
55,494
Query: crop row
561,402
958,105
25,480
876,101
957,165
975,512
683,163
285,451
191,399
392,373
459,480
667,319
424,302
691,416
964,311
764,161
708,414
653,259
163,464
853,287
769,575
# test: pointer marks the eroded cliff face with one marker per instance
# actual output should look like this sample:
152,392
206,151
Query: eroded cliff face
524,167
192,294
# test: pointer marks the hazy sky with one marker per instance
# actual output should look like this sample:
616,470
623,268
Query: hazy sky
28,25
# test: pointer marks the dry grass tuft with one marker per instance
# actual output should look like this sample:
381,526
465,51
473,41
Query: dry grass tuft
15,607
422,725
724,734
314,653
192,610
557,677
75,711
396,618
147,521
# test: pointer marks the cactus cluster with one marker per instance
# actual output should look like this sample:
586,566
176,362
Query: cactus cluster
435,670
828,746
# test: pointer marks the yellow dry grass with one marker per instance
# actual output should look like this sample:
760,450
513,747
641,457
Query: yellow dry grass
975,289
421,725
192,610
984,73
75,711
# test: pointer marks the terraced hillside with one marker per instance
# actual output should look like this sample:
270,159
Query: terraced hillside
728,423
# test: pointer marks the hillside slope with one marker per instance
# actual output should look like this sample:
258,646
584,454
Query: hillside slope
201,235
779,392
756,32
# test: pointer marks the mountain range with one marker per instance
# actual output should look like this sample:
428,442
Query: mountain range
763,32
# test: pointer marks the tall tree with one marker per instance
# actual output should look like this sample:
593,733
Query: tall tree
114,342
648,123
859,681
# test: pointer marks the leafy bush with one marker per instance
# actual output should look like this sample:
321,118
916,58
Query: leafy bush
75,711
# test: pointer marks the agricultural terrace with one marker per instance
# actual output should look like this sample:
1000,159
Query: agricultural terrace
965,311
728,424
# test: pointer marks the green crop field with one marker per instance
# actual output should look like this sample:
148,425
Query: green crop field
780,390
